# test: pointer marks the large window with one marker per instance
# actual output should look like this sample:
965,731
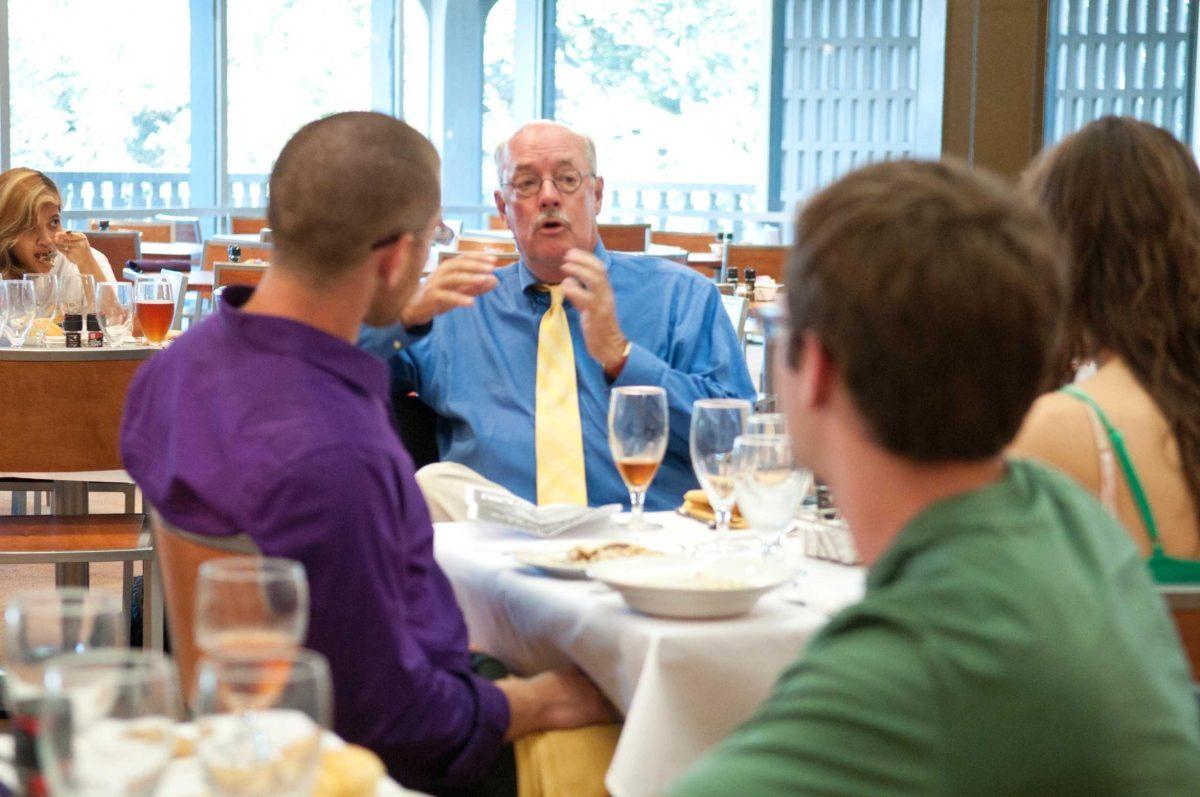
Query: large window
94,90
499,34
416,65
290,61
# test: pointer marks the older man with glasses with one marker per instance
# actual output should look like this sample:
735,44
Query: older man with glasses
519,361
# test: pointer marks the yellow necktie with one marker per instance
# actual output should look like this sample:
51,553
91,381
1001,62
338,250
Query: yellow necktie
558,431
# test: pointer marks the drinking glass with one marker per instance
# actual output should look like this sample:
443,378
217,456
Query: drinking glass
768,485
114,305
155,298
77,293
260,716
21,309
637,436
38,626
45,297
766,423
716,424
108,722
251,603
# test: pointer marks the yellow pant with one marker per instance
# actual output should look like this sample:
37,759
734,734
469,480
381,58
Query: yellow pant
565,763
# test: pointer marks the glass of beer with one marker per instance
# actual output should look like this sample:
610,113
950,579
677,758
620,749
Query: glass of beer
154,299
637,436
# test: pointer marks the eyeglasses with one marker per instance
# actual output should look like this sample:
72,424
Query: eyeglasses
442,236
567,181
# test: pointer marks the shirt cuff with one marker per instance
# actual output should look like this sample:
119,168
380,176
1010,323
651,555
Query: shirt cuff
641,368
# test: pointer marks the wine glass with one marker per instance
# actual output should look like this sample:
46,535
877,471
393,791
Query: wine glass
108,722
76,293
155,301
766,423
768,485
45,297
637,436
22,308
260,716
114,305
251,603
716,424
38,626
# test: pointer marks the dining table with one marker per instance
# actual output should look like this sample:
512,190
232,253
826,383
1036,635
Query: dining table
174,250
680,685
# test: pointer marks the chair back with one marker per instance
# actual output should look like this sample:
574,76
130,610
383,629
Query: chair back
1184,602
118,246
246,225
179,281
625,237
159,232
186,229
237,274
180,554
738,310
502,258
495,222
691,241
768,261
217,250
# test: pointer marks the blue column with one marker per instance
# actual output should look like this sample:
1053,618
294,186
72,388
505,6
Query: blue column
207,176
387,67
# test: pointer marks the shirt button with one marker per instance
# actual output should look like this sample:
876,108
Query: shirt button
396,345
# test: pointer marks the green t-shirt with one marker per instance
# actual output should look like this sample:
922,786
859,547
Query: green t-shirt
1010,642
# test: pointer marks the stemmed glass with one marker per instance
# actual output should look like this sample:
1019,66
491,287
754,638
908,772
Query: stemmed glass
251,603
769,485
260,716
76,293
766,423
21,309
45,297
637,436
716,424
155,301
108,722
114,305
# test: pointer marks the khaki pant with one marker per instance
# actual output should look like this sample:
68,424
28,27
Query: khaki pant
445,484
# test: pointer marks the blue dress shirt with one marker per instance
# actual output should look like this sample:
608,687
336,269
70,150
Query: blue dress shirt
476,367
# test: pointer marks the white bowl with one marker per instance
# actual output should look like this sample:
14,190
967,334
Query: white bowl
691,586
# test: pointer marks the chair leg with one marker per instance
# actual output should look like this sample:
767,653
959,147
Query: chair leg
71,574
127,592
152,606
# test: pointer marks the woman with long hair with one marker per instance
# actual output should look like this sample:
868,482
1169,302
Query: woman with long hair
1126,197
32,240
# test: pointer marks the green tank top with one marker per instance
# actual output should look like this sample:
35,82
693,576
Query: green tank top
1163,568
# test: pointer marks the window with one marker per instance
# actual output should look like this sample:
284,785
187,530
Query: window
100,100
290,62
1123,57
416,65
499,33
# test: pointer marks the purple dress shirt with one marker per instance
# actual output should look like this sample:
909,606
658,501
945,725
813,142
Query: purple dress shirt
267,427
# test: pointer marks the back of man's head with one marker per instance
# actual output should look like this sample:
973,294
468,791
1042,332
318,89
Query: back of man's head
938,294
344,182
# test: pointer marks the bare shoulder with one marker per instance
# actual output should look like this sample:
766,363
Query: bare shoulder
1057,431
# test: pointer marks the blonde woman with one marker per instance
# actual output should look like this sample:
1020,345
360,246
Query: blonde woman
32,240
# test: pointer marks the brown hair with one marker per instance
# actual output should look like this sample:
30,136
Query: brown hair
1126,196
23,193
343,182
938,293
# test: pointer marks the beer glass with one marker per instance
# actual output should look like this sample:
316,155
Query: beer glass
251,603
637,436
155,303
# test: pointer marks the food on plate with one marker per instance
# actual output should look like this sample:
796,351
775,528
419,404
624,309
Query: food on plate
695,505
349,771
609,550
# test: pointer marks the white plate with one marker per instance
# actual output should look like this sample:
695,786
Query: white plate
550,558
690,586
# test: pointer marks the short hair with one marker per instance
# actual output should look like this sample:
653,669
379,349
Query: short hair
344,182
500,154
23,193
938,293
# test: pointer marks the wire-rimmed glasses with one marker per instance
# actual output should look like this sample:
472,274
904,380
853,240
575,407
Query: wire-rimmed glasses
637,436
566,181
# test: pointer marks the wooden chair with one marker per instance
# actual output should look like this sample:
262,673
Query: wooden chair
738,310
691,241
159,232
237,274
768,261
186,229
180,554
217,250
246,225
625,237
1184,602
502,258
179,285
119,246
495,222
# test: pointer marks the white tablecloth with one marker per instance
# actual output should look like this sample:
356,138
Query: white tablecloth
681,684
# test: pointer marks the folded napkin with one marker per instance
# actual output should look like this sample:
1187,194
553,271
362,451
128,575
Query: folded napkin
695,505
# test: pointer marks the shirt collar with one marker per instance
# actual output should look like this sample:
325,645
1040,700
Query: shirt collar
528,281
290,338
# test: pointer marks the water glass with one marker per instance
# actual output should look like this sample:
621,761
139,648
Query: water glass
77,293
108,722
637,437
716,424
260,716
251,603
45,297
155,303
769,486
21,308
114,306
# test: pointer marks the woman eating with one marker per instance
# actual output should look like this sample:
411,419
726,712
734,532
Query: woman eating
32,240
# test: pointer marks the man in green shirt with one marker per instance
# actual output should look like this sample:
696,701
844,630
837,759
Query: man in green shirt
1010,641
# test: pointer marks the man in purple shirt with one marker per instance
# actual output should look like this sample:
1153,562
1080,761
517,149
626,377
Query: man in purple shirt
267,421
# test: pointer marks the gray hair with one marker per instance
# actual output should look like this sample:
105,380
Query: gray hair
500,154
